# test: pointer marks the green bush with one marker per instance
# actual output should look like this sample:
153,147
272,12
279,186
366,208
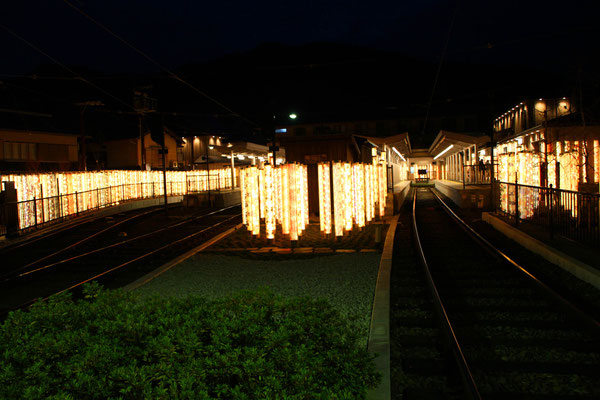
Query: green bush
111,344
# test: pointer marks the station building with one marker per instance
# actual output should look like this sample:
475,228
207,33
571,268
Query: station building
546,142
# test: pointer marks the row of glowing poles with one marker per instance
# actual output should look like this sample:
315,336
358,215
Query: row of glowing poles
528,168
70,193
359,192
277,195
280,195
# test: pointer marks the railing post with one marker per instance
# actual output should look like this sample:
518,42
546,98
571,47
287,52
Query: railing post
463,176
76,203
42,198
35,210
516,200
97,198
60,198
551,217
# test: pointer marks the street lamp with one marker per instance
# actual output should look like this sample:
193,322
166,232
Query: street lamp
293,116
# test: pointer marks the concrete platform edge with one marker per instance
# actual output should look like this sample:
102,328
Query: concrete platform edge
579,269
379,330
167,266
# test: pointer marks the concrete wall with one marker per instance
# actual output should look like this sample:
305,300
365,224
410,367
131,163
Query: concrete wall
217,199
579,269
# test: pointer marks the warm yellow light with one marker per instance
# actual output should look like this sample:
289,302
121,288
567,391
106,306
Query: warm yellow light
101,189
269,198
339,200
283,193
324,197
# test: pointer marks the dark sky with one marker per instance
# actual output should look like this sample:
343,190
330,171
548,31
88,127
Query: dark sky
549,34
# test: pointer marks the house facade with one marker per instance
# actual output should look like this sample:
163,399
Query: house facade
37,150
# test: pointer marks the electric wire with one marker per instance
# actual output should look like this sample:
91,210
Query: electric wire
437,74
57,62
153,61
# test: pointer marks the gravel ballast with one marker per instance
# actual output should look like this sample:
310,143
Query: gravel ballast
347,281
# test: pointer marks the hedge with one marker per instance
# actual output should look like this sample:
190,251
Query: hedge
112,344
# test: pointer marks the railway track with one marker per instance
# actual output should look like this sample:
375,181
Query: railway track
38,248
113,261
482,326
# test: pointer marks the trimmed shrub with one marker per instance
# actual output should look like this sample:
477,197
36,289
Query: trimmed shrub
111,344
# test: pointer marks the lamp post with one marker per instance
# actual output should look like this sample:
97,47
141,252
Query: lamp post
274,148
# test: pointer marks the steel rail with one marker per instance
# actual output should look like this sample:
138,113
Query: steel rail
113,245
468,382
87,238
570,309
57,228
32,301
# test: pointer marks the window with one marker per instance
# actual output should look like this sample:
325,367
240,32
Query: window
20,151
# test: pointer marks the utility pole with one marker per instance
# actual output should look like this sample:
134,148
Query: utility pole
142,144
164,159
546,144
232,171
143,104
83,152
207,170
492,199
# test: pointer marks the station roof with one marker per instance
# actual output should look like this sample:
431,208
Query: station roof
458,141
400,141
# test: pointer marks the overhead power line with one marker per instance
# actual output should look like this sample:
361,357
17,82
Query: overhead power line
54,60
153,61
437,74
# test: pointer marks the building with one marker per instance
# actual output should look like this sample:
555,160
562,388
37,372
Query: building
37,150
316,148
143,152
546,142
461,157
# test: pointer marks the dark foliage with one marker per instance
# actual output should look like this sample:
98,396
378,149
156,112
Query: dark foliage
111,344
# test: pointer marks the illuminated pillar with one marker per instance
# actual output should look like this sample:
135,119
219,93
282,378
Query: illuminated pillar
324,197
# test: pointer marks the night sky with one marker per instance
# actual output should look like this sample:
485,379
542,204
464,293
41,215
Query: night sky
556,34
316,57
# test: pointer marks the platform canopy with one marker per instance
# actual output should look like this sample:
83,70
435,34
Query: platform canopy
458,141
400,141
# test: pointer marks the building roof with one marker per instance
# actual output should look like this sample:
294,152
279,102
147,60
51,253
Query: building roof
458,141
401,141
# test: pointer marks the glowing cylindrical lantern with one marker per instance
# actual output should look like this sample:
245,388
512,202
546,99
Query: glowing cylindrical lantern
324,197
269,197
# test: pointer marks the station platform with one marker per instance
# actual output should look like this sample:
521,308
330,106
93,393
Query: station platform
466,197
396,198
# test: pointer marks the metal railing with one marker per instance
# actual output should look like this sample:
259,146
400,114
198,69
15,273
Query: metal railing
476,175
39,212
575,215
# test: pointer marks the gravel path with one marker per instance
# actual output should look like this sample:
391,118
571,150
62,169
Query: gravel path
347,281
